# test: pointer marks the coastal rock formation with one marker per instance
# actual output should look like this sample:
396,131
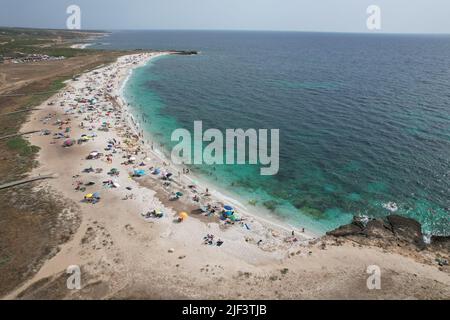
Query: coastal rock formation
395,230
185,52
440,243
346,230
407,230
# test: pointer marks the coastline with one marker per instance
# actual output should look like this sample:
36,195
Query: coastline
123,254
218,193
263,241
91,39
81,45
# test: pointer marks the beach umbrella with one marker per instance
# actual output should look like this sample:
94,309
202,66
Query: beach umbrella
139,172
183,215
68,143
228,208
96,195
88,196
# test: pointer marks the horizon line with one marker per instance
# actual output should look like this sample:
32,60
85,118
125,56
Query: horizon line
230,30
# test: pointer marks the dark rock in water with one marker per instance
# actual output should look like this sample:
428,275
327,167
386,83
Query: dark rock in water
396,230
184,52
407,229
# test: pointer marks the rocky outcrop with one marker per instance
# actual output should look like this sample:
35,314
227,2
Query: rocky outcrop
407,230
440,243
379,229
346,230
185,52
395,230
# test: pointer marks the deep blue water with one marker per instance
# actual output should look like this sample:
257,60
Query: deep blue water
363,119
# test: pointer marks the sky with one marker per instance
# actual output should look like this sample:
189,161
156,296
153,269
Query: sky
397,16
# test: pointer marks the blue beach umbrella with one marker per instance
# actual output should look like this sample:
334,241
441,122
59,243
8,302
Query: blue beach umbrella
139,172
228,213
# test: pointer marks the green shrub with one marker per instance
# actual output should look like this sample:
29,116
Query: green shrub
22,146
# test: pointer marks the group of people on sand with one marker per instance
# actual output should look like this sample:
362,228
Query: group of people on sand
209,240
99,107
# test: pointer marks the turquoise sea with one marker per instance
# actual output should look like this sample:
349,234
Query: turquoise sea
364,119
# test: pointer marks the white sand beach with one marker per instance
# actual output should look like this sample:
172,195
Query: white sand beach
80,45
140,256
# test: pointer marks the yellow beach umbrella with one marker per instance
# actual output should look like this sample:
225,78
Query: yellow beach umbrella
183,215
89,195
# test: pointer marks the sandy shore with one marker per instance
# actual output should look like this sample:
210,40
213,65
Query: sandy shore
81,45
135,256
183,180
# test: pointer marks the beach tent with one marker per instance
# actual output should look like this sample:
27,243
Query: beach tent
139,172
228,213
183,215
68,143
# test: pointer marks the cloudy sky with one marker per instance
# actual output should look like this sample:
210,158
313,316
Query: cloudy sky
398,16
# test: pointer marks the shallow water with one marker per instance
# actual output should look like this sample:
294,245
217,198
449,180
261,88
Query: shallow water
363,119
